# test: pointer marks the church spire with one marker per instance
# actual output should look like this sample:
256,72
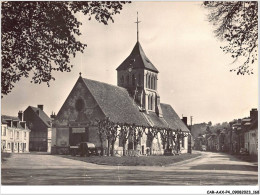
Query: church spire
137,22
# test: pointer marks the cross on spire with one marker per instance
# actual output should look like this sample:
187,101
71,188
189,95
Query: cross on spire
137,22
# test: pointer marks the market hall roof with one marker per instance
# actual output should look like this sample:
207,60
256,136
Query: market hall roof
116,104
137,59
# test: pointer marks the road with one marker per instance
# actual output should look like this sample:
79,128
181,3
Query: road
210,169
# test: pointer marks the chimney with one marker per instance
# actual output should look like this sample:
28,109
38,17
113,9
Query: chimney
53,115
185,120
40,106
253,114
20,115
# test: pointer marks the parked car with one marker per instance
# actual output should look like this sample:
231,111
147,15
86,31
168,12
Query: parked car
84,149
203,148
243,151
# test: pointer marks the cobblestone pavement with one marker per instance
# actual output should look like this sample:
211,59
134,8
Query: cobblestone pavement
210,169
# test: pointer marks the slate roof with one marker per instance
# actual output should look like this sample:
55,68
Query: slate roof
42,115
138,59
172,118
254,124
4,119
116,104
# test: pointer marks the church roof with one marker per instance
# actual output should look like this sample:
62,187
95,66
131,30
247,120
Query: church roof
116,104
137,59
172,118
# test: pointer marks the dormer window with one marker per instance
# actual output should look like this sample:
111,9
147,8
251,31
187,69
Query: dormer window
15,123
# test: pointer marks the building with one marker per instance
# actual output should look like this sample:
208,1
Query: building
241,137
14,134
251,133
40,125
134,101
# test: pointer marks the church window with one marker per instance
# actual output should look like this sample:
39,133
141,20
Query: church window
146,81
155,83
80,104
152,82
133,80
151,103
149,81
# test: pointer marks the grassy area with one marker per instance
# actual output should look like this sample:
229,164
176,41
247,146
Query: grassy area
134,161
247,158
4,156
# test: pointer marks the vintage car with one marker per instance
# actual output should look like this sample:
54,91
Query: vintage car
243,151
84,149
203,148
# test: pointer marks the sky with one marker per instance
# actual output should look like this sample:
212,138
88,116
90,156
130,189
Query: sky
194,74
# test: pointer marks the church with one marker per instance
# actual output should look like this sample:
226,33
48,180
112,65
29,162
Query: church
134,101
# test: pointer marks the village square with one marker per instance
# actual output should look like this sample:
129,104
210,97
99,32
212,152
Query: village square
130,117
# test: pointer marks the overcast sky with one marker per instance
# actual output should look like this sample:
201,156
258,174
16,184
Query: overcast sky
194,74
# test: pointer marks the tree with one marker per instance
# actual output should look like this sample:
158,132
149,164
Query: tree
151,134
164,138
40,37
124,135
236,23
101,124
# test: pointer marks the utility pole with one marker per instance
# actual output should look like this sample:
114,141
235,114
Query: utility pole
189,137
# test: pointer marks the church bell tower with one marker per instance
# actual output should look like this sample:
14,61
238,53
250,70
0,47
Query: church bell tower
139,76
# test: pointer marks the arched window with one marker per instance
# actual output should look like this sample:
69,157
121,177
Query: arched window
152,82
127,78
151,102
149,81
148,102
133,80
146,81
155,83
